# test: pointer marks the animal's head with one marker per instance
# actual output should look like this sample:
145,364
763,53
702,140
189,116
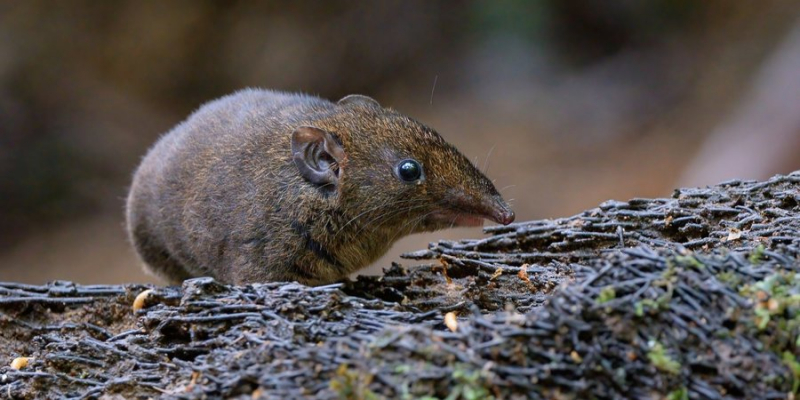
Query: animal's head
389,170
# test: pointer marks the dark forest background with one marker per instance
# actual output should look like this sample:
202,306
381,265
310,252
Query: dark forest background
571,101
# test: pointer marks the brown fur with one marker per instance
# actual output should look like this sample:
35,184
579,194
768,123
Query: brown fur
220,196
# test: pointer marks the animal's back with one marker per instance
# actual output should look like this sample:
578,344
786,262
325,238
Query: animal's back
206,177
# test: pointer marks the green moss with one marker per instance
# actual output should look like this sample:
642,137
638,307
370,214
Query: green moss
661,360
671,272
776,310
352,385
757,255
730,279
762,318
606,294
638,308
661,303
791,361
679,394
690,261
776,317
468,385
402,369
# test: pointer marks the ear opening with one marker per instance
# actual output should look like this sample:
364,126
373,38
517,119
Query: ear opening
318,156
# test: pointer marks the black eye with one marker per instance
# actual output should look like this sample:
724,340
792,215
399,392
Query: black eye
409,170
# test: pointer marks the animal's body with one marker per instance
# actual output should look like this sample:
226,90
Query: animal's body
269,186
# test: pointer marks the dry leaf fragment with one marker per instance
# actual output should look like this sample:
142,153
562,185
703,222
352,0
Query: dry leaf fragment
497,273
733,235
450,321
20,362
138,302
193,382
444,271
523,273
773,305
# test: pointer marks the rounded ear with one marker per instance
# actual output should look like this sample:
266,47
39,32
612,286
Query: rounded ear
359,99
317,155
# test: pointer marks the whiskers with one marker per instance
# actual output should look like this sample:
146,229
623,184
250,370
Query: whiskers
388,205
486,161
506,187
383,218
436,78
416,222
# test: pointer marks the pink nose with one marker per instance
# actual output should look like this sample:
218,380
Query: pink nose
504,217
499,211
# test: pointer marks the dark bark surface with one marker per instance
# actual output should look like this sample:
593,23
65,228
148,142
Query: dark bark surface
694,296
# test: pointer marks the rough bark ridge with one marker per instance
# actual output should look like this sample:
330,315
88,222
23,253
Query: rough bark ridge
695,296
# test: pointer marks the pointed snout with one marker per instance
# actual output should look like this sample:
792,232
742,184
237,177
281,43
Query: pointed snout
491,207
500,211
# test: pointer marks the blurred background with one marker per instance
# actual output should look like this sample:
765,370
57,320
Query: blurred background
568,102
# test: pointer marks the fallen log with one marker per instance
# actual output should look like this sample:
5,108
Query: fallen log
694,296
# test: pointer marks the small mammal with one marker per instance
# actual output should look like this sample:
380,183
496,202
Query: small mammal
264,186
